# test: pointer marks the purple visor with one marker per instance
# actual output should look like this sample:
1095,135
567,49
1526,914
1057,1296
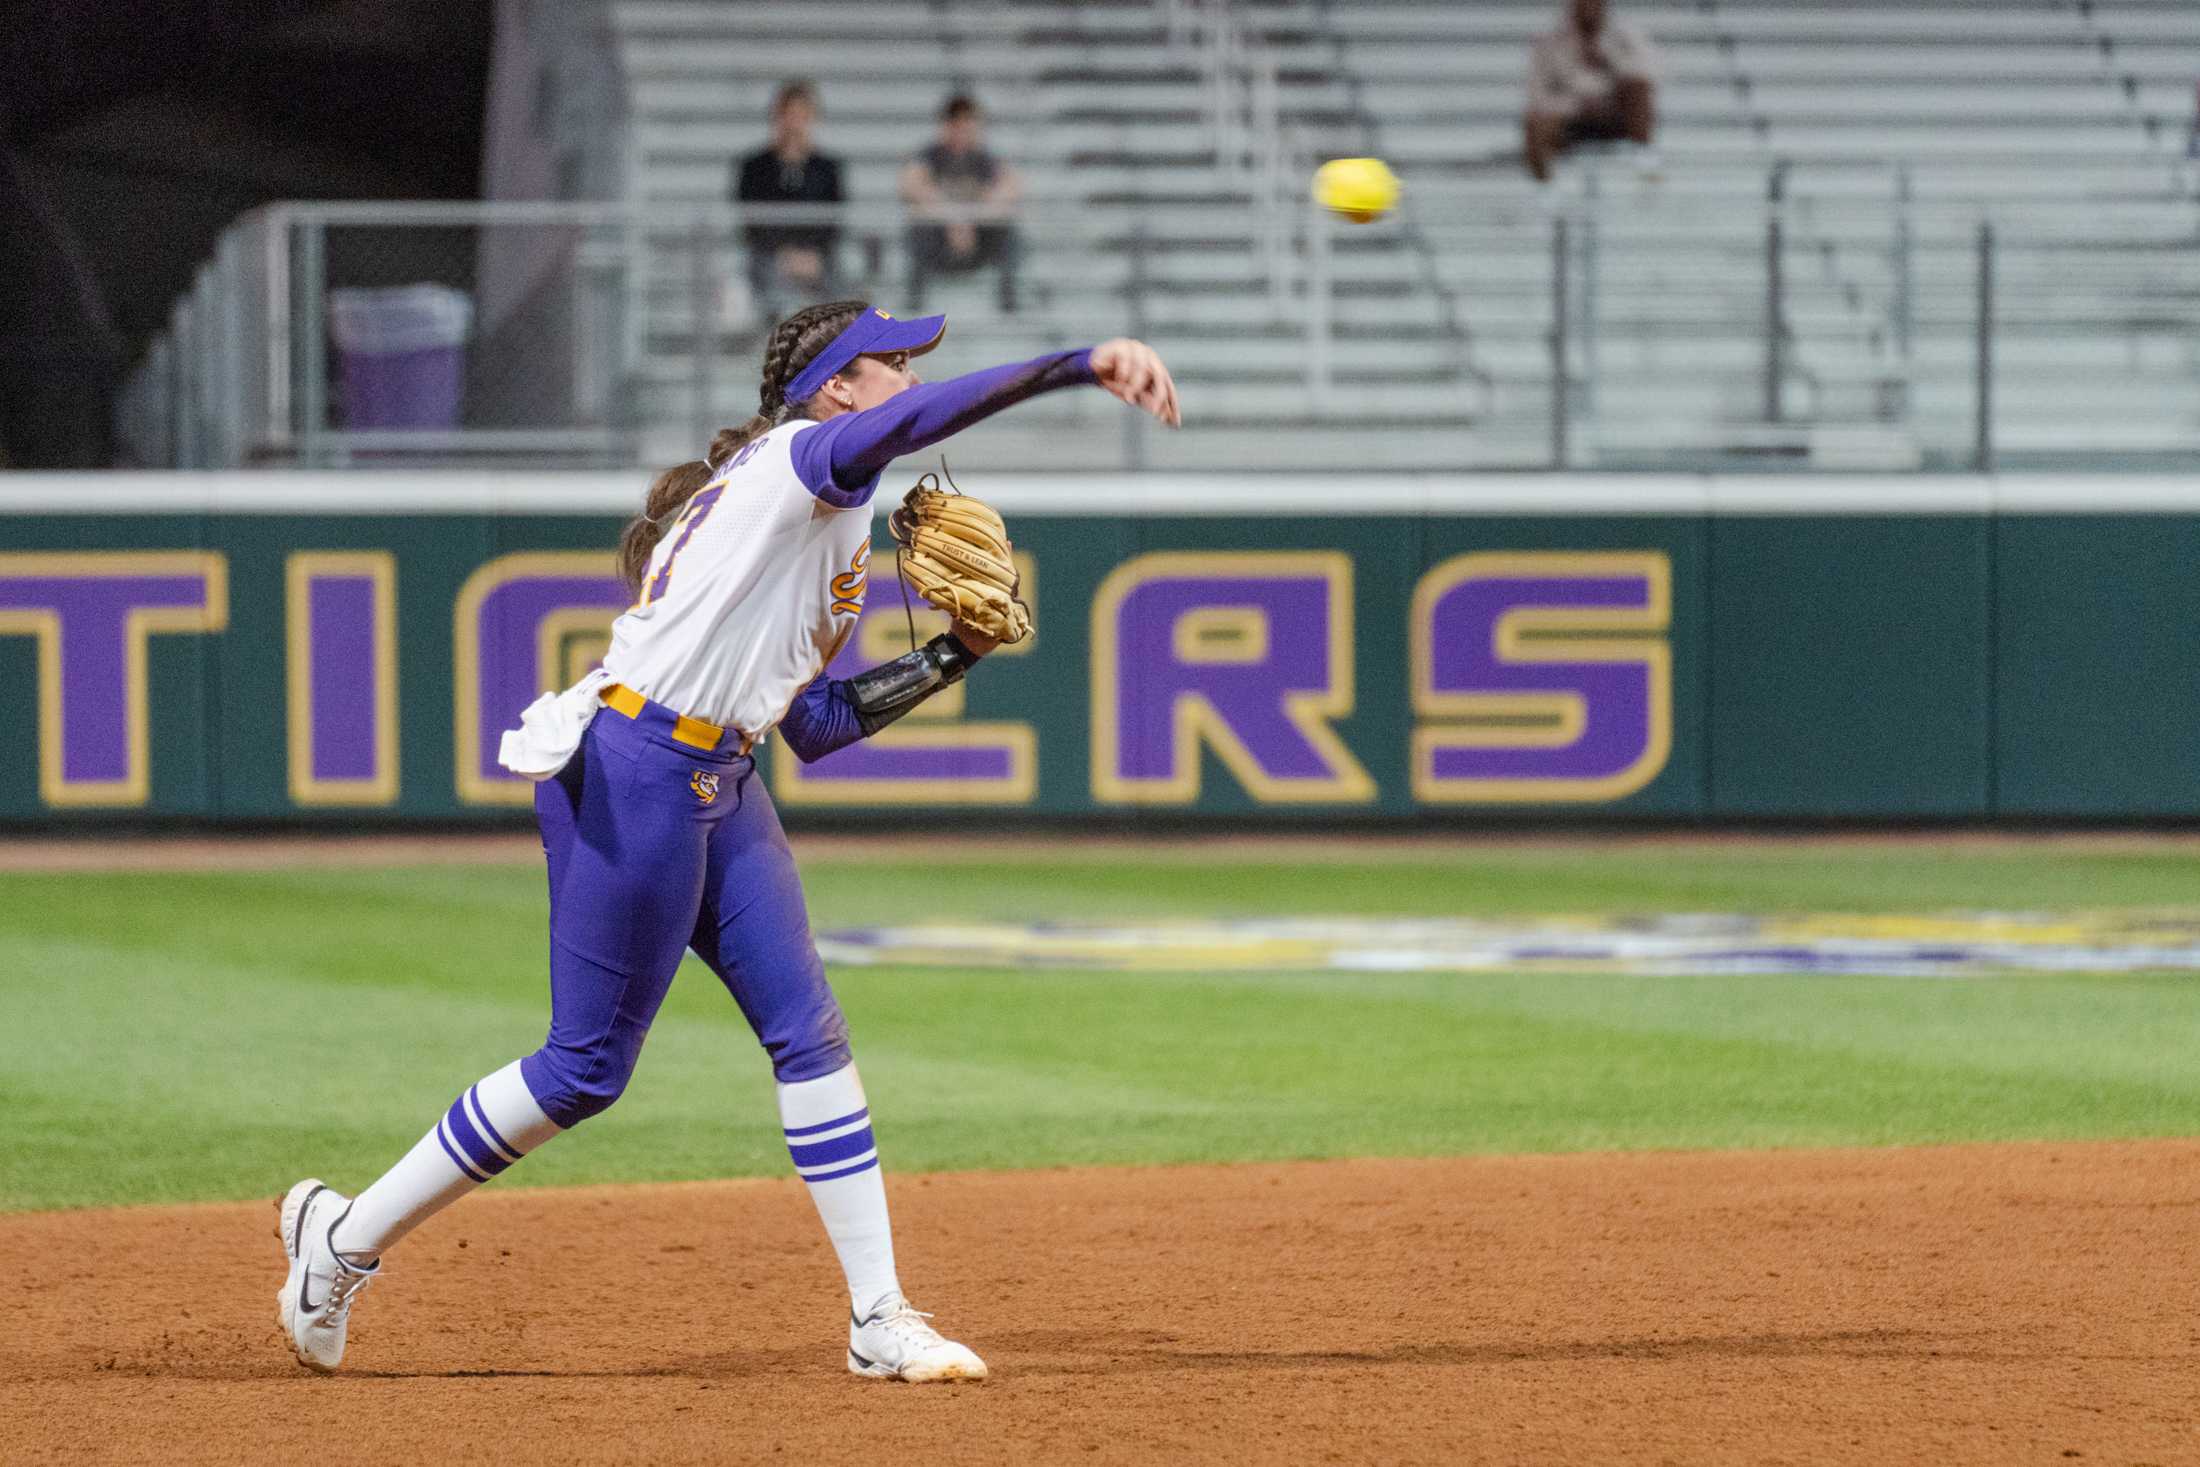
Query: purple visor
873,333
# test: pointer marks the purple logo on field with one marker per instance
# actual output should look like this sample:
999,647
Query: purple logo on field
1246,653
931,756
1541,676
513,620
92,614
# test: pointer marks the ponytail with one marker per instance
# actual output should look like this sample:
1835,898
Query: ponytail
667,496
789,349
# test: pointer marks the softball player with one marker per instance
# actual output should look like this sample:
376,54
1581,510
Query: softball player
749,569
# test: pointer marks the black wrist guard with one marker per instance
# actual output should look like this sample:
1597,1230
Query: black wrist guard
891,689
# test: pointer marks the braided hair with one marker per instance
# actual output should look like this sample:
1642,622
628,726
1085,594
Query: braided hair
793,343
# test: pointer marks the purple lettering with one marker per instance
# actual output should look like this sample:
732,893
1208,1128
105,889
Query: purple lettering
92,614
342,706
1248,653
1541,676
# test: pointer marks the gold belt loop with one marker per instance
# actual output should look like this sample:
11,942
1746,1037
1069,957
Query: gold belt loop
693,732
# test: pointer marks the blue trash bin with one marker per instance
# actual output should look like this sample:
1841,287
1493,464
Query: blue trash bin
401,355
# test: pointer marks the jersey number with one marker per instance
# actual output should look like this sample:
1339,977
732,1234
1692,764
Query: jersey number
698,509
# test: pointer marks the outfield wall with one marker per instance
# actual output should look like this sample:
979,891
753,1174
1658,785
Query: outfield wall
346,647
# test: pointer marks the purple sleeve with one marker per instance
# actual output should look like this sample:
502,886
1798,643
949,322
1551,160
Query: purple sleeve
840,460
820,720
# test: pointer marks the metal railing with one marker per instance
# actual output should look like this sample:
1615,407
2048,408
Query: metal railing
1259,154
1625,327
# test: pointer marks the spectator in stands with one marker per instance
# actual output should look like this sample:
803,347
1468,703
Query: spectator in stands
1593,79
962,200
791,264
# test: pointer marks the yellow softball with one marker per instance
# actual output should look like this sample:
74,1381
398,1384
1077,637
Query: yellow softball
1358,188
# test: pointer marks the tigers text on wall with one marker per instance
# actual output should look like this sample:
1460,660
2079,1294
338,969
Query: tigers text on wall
345,649
1537,677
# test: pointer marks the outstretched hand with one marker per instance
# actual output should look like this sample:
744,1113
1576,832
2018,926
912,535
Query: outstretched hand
1135,372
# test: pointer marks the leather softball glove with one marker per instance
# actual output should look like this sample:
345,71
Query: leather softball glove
955,554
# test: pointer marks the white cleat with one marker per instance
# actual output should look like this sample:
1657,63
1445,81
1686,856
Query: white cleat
315,1303
895,1343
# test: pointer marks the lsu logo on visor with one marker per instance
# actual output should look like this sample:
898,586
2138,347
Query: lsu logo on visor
704,785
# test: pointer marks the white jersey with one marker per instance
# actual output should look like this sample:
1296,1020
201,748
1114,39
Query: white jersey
750,592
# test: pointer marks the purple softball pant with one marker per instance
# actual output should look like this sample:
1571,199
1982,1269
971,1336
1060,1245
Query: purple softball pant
656,847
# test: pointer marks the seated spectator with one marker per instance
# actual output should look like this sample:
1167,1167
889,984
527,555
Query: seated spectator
791,263
1593,79
962,198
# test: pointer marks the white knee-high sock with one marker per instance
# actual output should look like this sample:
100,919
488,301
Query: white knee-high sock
828,1126
492,1125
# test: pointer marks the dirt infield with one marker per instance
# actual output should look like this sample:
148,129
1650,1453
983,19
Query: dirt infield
2034,1303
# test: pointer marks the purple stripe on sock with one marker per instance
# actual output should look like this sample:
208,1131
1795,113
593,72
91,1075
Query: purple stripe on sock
847,1172
469,1140
840,1148
456,1160
481,1112
847,1120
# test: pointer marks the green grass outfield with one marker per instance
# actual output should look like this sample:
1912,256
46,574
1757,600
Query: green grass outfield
201,1036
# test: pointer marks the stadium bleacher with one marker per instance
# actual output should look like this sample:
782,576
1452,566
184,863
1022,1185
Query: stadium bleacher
1795,277
1938,115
